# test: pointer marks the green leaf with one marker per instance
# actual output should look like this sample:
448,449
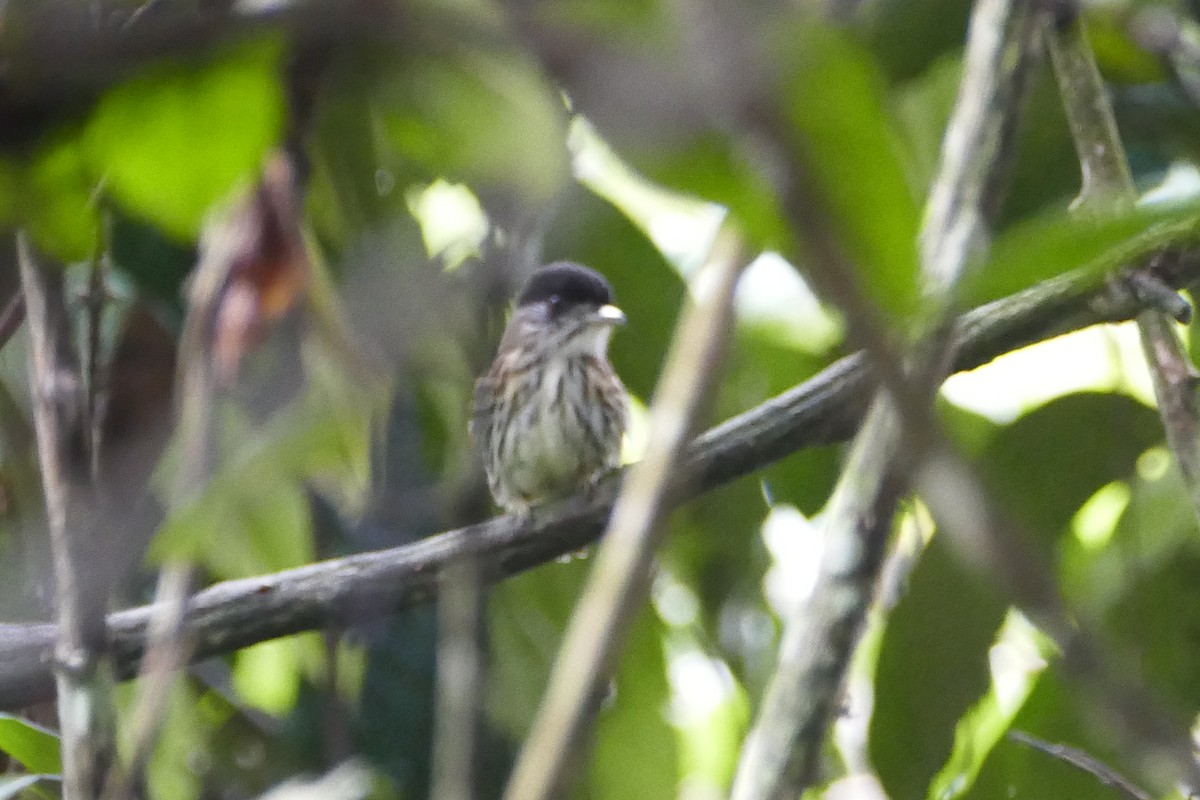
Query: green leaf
156,264
834,97
1142,585
1044,466
1022,652
488,119
635,746
635,753
176,139
933,665
58,205
37,748
1120,57
922,108
712,168
1057,242
527,615
908,36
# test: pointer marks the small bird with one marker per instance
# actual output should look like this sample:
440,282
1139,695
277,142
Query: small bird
550,413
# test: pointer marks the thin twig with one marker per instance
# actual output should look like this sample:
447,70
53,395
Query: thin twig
1081,760
1108,184
826,409
11,317
168,649
619,583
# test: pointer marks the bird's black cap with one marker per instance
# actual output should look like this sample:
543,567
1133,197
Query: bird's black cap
573,285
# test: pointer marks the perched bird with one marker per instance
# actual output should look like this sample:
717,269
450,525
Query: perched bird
550,413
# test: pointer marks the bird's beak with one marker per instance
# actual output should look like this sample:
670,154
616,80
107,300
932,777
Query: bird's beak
609,315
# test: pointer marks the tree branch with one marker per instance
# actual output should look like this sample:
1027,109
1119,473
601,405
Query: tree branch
823,410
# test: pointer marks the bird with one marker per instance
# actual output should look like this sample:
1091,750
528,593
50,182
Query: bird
548,417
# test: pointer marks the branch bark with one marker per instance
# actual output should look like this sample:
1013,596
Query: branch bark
84,702
823,410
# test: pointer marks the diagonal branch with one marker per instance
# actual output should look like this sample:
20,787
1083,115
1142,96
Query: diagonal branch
825,409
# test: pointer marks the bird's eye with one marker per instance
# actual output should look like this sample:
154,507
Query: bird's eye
554,300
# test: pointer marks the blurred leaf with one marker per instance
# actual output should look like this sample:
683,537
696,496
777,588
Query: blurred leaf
253,515
1119,57
1044,466
268,675
1017,661
716,550
1045,170
761,366
37,748
908,35
1143,583
634,747
58,202
488,119
1158,126
394,724
933,665
176,139
711,166
635,750
1159,619
527,615
1157,525
971,432
805,478
156,264
1057,242
711,719
922,108
835,100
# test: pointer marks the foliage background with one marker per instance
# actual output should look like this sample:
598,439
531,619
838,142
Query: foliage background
452,146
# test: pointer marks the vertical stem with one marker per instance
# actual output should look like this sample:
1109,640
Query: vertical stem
459,675
1107,181
80,675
